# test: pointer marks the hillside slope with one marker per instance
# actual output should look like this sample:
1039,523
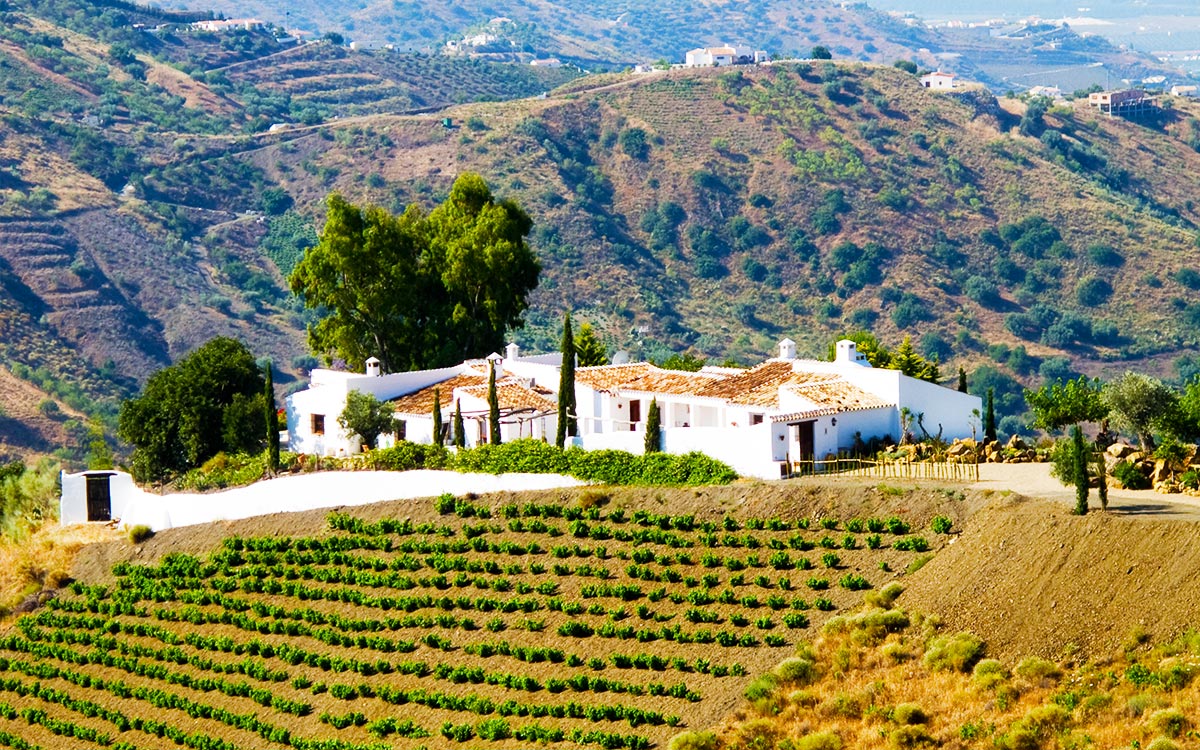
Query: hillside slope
587,617
1039,581
146,207
724,210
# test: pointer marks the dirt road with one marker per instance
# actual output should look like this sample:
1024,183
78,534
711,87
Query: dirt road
1034,480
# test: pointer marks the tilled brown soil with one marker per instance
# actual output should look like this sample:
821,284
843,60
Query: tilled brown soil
1032,579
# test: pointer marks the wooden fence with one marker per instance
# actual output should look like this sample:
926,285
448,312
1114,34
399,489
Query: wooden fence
950,471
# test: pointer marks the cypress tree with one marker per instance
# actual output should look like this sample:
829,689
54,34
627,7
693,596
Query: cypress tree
1102,473
437,416
566,386
989,420
493,407
272,422
1081,471
653,428
460,435
962,380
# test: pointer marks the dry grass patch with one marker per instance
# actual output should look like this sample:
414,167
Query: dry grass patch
42,562
864,698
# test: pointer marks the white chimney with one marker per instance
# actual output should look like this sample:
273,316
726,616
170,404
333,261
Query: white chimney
373,370
787,349
511,352
847,353
498,362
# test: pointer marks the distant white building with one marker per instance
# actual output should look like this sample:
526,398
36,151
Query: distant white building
1050,92
938,81
1184,90
231,24
549,62
708,57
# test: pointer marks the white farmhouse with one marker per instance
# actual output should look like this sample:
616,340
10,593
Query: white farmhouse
707,57
756,420
312,414
938,81
232,24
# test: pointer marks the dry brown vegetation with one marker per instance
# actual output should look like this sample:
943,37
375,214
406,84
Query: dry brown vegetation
36,567
883,679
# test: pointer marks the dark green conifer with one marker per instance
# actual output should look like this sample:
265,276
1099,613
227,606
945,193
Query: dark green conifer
493,407
566,386
653,428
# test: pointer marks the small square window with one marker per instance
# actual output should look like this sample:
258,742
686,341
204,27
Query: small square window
756,419
318,424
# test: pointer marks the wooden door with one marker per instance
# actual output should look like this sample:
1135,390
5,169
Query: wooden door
635,414
804,440
99,499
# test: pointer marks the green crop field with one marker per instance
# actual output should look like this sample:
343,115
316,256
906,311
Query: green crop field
497,626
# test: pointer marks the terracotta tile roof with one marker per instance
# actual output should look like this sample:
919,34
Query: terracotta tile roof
672,382
421,402
831,396
512,394
759,386
610,377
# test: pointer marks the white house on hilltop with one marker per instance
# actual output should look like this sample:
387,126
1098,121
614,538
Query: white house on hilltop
708,57
938,81
756,419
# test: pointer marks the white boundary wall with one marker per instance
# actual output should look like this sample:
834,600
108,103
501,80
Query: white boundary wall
292,493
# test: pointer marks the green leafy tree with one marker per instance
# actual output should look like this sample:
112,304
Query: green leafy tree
271,416
1144,406
100,455
566,386
1081,471
418,291
908,361
460,433
820,52
653,428
687,362
962,379
437,416
1189,409
590,351
1059,404
368,417
210,401
1102,475
493,407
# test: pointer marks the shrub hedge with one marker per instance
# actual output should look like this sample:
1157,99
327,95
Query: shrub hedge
535,457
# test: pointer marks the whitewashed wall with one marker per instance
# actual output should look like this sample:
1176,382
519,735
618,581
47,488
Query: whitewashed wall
72,504
950,408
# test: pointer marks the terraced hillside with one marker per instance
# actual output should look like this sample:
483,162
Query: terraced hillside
361,82
594,623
